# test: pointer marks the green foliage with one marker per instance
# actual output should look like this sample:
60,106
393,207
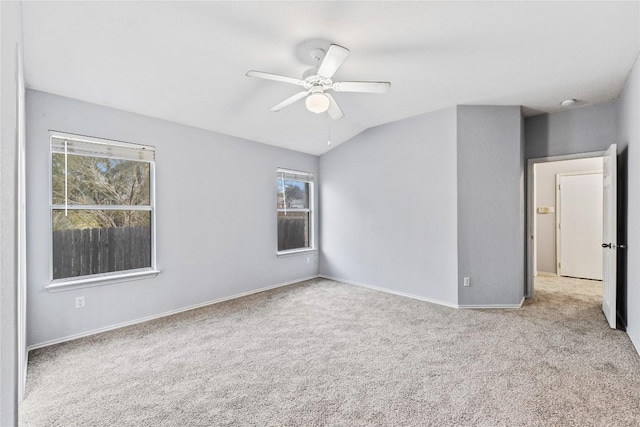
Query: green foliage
100,181
293,192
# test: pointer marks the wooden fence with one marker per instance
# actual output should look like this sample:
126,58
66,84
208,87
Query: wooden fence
100,250
103,250
292,233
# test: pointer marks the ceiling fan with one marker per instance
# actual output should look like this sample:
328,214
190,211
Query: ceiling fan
317,81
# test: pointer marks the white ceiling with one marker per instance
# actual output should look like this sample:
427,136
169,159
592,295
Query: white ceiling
186,61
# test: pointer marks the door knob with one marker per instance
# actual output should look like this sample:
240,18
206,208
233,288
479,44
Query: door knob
606,245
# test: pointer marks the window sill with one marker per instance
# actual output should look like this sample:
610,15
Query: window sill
99,280
295,252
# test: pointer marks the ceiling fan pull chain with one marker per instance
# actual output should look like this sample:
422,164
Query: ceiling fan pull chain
329,125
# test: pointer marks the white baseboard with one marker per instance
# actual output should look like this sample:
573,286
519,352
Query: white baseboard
421,298
389,291
546,274
255,291
166,313
493,305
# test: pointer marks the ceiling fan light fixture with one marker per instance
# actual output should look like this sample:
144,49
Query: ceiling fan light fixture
317,103
317,83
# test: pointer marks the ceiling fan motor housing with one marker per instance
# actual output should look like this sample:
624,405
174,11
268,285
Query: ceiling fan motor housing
310,72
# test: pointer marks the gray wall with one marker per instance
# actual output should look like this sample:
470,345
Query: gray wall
595,128
576,130
490,205
388,208
546,196
216,219
630,137
11,40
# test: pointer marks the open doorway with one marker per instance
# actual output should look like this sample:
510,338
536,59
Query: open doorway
565,224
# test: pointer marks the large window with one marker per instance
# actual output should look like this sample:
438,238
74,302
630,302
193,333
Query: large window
102,208
295,216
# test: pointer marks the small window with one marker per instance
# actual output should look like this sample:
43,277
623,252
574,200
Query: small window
102,208
295,215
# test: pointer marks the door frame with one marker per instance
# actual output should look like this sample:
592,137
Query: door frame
21,297
531,203
559,208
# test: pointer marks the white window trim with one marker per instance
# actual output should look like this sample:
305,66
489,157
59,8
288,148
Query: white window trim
310,210
57,285
292,252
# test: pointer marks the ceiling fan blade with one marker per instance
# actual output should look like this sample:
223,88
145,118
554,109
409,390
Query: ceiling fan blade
334,57
334,111
276,77
298,96
368,87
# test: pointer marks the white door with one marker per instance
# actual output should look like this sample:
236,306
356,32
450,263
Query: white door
609,235
579,210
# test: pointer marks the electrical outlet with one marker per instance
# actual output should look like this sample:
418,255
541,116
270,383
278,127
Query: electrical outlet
79,302
467,281
308,259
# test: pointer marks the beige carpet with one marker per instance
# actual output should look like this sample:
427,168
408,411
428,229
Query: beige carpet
322,353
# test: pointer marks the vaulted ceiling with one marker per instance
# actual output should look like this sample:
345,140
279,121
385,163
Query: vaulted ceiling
186,61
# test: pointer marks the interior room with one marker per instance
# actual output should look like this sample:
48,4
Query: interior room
568,227
319,213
